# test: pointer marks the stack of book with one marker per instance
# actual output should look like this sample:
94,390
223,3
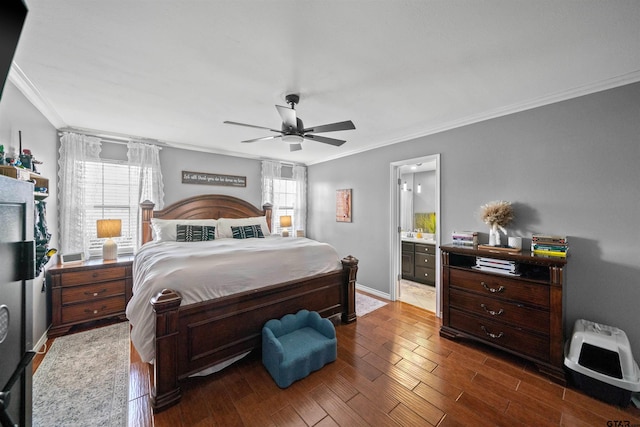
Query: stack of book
501,266
544,244
465,238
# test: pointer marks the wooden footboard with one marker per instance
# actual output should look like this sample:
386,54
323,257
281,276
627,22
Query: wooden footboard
194,337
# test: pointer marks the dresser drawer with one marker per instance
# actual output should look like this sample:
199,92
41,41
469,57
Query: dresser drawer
500,334
76,294
421,248
500,310
500,287
425,275
93,309
94,275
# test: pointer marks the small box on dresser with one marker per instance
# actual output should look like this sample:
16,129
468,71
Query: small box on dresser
520,313
87,291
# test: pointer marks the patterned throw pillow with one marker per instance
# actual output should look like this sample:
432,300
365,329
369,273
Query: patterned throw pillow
247,232
195,233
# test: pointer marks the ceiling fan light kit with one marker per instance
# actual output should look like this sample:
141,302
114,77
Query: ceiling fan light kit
292,130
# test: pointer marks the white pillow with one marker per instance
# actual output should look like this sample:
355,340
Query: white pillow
164,230
225,224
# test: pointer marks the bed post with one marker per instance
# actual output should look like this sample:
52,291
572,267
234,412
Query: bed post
267,208
349,268
165,390
147,214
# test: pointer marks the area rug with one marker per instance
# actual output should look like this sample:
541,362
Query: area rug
84,380
365,304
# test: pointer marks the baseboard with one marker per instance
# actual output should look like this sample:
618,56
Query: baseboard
363,288
41,342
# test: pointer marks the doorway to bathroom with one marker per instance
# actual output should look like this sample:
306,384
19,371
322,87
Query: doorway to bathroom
415,226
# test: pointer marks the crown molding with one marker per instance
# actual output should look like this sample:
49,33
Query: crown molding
31,92
625,79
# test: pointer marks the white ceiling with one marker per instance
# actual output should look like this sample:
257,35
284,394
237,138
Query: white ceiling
174,70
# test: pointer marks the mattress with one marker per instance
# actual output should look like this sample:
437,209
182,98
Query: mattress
201,271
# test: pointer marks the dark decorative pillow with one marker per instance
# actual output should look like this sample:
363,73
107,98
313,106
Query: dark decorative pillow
247,232
195,233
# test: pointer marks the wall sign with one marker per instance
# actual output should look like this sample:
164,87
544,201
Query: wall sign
343,205
189,177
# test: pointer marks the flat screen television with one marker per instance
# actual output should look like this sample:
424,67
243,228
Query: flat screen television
12,16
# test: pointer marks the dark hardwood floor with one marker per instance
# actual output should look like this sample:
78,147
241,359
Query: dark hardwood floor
393,368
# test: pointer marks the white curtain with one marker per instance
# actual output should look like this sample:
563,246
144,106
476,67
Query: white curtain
300,207
148,175
75,150
270,171
280,195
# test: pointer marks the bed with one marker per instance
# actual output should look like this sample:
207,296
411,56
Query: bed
190,336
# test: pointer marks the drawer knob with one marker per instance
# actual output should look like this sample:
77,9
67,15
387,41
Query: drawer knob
426,274
426,260
492,335
491,312
95,294
95,311
492,290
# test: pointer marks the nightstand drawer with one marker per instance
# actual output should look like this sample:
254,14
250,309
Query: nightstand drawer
93,310
93,275
75,294
500,287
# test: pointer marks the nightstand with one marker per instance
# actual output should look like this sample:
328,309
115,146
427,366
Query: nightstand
87,291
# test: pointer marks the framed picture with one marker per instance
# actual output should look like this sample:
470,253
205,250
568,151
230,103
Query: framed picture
343,205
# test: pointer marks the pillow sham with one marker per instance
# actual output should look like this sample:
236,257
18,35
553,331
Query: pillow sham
195,233
225,224
247,232
164,230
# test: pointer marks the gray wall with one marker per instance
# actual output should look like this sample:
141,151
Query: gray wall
569,168
174,161
38,135
425,200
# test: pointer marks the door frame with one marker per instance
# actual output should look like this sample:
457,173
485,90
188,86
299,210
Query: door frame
394,229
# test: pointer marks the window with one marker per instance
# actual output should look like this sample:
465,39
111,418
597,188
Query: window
284,201
112,194
285,187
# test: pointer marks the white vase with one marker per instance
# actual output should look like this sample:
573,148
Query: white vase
494,236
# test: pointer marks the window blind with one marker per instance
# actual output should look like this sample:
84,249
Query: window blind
111,193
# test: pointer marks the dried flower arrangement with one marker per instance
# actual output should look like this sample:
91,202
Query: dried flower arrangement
498,215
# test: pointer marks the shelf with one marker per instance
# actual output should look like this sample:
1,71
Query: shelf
27,175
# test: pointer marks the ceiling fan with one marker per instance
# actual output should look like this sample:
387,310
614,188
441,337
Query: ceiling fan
293,131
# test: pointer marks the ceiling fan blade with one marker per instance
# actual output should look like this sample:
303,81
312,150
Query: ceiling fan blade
324,139
263,139
348,125
295,147
288,116
251,126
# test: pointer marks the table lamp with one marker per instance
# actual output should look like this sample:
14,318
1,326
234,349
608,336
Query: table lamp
285,221
108,228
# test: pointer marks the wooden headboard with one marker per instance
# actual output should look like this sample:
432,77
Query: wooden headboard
206,206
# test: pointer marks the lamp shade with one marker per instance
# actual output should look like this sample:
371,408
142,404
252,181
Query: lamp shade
285,221
109,228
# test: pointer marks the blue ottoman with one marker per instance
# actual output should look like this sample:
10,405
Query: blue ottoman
297,345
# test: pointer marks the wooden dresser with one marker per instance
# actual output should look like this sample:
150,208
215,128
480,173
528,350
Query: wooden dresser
87,291
521,314
419,262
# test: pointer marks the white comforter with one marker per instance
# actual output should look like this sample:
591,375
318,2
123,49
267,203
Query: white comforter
201,271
